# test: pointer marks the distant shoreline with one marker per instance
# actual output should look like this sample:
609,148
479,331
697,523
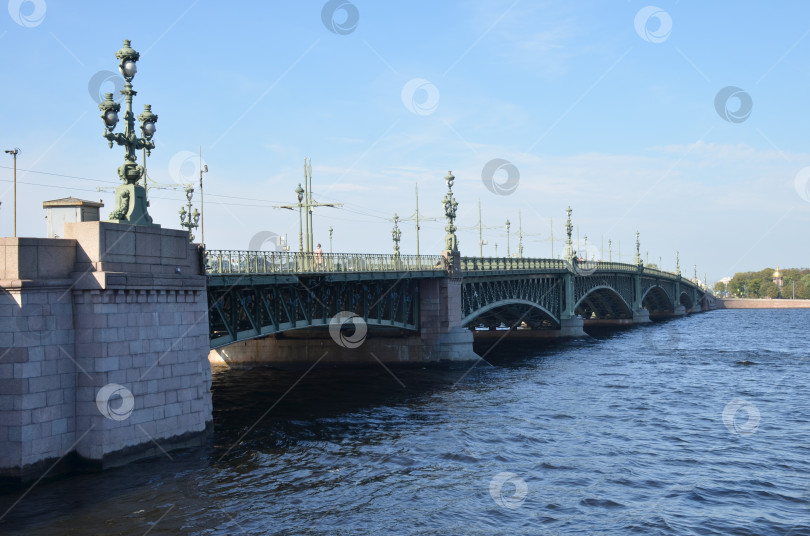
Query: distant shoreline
750,303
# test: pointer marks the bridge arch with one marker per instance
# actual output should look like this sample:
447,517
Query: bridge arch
656,299
605,302
686,300
511,312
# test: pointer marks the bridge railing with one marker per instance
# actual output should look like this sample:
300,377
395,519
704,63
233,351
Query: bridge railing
516,263
510,263
278,262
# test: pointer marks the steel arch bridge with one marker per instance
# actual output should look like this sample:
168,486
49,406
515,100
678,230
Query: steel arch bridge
538,293
254,294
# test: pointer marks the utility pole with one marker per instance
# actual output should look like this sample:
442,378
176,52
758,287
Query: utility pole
14,152
416,189
520,234
480,237
306,201
308,210
203,169
480,232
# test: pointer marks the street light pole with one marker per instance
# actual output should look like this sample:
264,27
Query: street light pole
330,239
508,248
14,152
396,235
300,193
520,235
480,235
203,169
130,198
416,189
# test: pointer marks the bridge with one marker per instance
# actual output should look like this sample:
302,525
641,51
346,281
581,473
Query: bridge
138,312
261,294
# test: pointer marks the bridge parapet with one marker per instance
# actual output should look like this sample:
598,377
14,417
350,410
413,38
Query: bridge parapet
221,262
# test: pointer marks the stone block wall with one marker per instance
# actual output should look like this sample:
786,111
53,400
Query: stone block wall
148,342
103,347
37,375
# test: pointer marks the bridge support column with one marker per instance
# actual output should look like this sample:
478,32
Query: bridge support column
570,324
678,309
105,338
443,338
640,314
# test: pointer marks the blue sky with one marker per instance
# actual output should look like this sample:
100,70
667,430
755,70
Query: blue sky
617,119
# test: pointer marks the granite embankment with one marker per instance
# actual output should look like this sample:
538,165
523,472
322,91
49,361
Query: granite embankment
737,303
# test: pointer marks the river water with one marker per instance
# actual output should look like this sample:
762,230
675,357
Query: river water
693,426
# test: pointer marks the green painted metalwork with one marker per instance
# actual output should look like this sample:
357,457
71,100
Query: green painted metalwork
256,293
130,198
450,207
396,235
247,311
187,219
220,262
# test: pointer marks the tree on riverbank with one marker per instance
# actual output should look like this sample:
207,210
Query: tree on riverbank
760,284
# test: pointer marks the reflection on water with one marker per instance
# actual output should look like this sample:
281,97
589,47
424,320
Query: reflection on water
646,430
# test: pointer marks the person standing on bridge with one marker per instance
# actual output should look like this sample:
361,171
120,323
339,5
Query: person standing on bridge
318,256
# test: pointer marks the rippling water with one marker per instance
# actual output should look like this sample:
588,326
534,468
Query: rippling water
694,426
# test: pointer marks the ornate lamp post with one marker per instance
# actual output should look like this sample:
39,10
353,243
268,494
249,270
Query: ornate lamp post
300,193
130,198
569,228
450,207
677,263
187,219
330,239
396,234
638,250
610,250
508,249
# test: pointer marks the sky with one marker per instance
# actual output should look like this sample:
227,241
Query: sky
684,121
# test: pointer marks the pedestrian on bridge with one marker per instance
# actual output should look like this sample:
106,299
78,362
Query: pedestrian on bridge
318,256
